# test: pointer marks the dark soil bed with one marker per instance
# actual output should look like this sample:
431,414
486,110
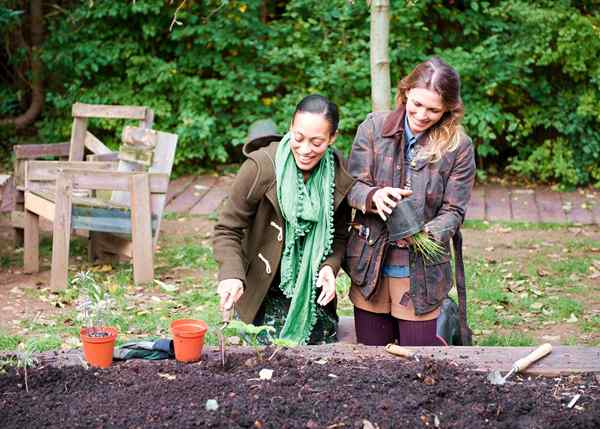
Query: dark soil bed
303,393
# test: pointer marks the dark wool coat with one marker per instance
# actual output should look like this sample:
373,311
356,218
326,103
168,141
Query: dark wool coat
441,191
248,238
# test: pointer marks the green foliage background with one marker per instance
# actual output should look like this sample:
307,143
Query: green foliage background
530,71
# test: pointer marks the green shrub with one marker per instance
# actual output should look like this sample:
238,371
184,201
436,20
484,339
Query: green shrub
530,73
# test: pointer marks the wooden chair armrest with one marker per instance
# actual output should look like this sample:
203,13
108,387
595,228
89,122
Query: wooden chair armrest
33,151
102,180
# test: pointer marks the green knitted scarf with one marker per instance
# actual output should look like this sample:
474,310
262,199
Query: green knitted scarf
307,210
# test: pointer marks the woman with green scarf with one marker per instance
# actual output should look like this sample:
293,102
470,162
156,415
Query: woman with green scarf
281,235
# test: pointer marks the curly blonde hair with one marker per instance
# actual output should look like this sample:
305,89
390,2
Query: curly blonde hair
436,75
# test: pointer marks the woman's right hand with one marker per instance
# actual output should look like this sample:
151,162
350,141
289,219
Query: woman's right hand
385,199
229,290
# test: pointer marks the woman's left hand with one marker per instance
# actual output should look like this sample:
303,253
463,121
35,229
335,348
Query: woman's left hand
326,282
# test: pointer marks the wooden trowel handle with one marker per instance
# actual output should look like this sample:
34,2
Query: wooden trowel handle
399,351
538,353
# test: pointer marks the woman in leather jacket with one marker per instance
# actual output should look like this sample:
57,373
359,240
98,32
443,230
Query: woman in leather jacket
418,151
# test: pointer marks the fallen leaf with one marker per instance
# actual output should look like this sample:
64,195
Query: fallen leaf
536,306
167,376
367,424
542,273
572,319
168,287
265,374
211,405
321,361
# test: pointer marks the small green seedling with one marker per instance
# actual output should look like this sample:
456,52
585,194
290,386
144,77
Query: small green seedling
249,333
25,360
282,343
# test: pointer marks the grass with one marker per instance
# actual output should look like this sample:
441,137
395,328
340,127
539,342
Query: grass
511,298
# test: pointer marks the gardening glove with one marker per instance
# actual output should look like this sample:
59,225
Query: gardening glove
326,282
385,200
151,350
230,291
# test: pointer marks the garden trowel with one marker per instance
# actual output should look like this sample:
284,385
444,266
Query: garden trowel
226,318
494,377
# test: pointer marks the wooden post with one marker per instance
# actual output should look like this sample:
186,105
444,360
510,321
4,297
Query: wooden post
61,233
141,229
31,258
78,134
380,62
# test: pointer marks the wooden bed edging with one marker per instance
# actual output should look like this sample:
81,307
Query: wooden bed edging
563,360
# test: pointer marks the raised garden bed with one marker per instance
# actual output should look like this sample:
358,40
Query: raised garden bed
331,387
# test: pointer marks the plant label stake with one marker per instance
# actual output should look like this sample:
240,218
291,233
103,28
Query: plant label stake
226,318
494,377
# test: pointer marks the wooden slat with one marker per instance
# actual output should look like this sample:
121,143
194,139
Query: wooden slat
103,219
476,207
95,145
210,201
578,213
113,180
524,205
550,206
148,121
562,360
164,158
8,195
177,186
17,220
114,244
82,110
32,151
192,195
497,203
40,206
31,254
49,170
78,133
113,156
141,231
140,136
61,234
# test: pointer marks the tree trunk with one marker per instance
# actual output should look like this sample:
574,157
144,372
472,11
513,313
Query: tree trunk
37,82
380,63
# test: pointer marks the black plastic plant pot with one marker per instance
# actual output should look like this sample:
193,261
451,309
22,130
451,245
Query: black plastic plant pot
403,222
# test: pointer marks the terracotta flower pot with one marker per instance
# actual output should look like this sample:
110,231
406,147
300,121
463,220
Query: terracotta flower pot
403,222
188,339
98,350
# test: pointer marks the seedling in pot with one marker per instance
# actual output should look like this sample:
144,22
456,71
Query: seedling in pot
25,360
95,304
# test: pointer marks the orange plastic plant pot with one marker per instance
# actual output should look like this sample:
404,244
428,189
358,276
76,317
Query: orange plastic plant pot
98,351
188,339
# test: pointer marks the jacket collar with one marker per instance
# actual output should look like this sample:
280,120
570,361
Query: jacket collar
393,123
343,183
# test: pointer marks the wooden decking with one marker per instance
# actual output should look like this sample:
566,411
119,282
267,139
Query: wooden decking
204,195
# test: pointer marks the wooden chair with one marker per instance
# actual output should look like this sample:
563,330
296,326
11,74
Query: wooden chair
74,150
138,184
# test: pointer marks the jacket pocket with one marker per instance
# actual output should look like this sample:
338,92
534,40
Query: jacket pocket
361,256
438,279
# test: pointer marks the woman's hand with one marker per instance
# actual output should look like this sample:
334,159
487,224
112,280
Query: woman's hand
385,199
229,290
326,282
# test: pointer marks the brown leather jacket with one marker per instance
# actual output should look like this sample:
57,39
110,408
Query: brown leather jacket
248,238
441,191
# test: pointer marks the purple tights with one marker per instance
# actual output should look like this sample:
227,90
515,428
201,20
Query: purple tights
374,329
